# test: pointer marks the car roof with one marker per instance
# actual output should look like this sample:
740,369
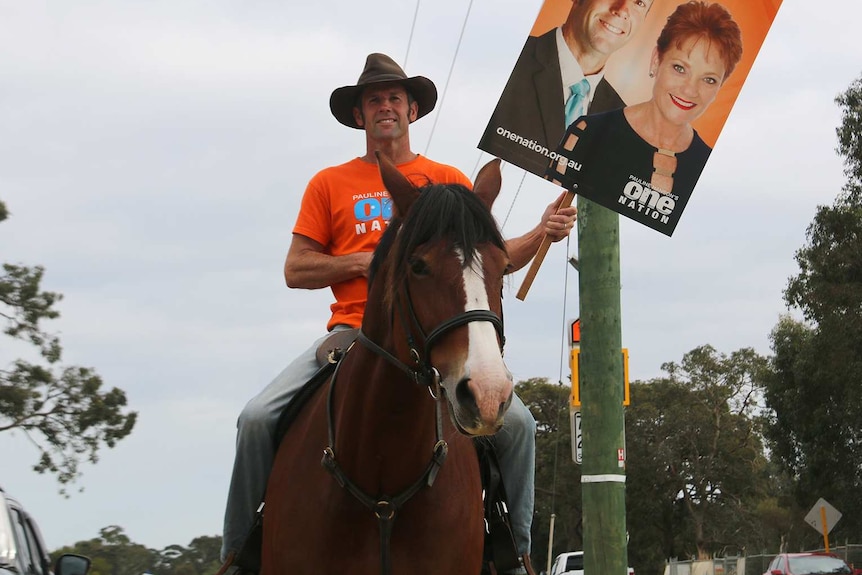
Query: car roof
808,553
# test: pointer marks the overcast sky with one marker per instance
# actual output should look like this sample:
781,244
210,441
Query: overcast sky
153,158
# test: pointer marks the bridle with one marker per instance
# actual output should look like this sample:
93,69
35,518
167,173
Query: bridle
422,372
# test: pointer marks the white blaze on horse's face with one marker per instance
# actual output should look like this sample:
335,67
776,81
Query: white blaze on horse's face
484,373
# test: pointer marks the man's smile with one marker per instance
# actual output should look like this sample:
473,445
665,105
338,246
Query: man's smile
611,28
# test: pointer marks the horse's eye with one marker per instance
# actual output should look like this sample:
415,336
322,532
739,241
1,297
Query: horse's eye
419,267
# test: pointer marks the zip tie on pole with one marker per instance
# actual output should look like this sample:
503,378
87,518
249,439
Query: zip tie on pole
607,478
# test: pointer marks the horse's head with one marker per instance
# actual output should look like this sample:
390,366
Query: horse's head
438,274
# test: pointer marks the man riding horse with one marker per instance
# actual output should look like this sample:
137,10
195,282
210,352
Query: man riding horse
344,212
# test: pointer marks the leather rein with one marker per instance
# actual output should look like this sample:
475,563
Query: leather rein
386,507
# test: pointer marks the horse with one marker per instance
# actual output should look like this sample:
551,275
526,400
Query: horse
358,485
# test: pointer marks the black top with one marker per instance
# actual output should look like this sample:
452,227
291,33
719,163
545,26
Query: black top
613,166
530,116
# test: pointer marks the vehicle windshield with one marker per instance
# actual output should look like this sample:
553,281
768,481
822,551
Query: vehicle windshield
575,563
7,539
818,565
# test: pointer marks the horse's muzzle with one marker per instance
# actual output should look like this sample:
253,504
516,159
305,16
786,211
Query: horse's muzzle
478,410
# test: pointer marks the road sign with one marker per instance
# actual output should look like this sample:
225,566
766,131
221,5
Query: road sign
575,333
577,437
823,511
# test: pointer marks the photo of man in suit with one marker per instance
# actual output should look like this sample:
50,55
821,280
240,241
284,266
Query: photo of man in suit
558,77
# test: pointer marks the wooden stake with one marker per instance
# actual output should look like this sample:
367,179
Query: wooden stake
543,250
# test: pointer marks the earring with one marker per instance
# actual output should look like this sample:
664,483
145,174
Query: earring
652,73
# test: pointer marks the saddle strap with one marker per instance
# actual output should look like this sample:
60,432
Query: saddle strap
386,508
501,551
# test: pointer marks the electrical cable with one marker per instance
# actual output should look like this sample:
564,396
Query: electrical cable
443,97
564,340
512,205
476,167
412,28
448,77
560,380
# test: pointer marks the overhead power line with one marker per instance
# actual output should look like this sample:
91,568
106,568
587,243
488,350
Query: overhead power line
412,28
445,90
452,67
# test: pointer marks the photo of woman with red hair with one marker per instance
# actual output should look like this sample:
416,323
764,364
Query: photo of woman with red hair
644,160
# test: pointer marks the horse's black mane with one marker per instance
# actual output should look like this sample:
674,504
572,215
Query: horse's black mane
449,212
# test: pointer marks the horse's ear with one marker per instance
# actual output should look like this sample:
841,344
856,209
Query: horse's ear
399,187
488,182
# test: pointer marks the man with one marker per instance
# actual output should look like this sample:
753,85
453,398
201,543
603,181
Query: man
539,101
341,220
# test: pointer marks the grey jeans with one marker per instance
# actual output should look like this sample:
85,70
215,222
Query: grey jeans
515,445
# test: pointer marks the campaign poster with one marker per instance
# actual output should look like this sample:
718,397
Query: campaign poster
622,101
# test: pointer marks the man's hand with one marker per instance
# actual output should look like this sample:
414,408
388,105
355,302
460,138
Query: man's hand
558,222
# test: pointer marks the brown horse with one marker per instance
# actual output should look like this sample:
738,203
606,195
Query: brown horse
383,502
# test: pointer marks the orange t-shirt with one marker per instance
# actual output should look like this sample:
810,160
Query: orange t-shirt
346,209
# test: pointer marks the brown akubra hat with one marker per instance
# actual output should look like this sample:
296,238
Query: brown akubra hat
381,68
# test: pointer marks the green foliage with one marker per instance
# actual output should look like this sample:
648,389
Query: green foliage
696,467
850,139
558,478
25,306
815,429
113,553
62,410
812,386
698,482
828,288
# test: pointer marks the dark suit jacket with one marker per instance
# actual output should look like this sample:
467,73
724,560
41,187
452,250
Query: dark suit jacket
530,118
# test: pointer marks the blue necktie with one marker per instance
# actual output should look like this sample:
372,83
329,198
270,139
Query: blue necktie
577,103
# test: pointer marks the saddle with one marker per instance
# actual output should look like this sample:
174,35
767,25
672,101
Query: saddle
328,354
500,552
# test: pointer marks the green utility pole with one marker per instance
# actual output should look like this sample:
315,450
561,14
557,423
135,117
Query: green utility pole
601,376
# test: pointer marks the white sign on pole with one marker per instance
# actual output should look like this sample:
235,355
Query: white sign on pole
577,439
820,510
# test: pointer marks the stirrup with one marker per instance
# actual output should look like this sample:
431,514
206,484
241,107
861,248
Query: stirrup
524,564
228,567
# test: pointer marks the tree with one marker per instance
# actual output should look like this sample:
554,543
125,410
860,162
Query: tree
113,553
558,479
201,557
850,139
696,467
62,410
813,386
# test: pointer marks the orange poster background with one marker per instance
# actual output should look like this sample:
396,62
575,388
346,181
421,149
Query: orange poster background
627,70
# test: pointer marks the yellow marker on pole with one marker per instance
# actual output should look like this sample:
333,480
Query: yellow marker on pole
825,528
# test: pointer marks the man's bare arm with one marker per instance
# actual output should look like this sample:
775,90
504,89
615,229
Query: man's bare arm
556,223
308,266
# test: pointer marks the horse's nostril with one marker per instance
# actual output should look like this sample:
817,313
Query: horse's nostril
463,394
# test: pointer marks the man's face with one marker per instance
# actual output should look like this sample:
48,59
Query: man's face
385,111
605,26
